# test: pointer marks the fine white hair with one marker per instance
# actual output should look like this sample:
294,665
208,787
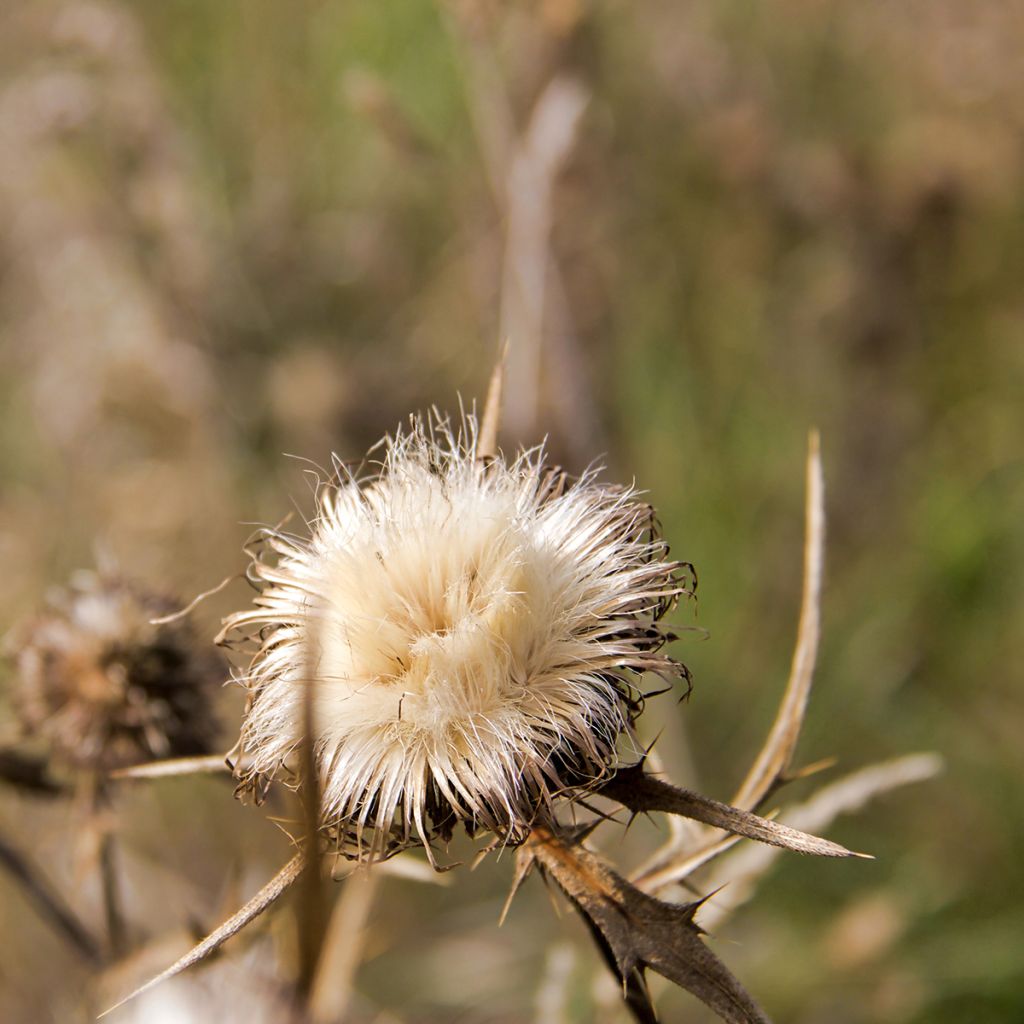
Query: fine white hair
472,632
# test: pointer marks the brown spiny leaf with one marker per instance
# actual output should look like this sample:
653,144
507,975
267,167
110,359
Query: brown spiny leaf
636,931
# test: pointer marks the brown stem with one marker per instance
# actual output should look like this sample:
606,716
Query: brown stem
56,912
29,773
311,919
107,858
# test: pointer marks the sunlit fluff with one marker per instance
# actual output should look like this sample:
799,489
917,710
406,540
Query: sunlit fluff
473,632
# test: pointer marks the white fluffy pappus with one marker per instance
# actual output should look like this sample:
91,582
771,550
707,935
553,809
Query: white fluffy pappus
472,630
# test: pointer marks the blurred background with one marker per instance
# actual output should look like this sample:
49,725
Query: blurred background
238,231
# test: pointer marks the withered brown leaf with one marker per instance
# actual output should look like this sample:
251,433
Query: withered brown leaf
636,931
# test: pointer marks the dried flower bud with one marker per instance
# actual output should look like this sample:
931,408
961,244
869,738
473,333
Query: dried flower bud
473,632
107,688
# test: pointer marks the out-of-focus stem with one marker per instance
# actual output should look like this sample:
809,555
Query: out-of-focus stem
49,904
310,918
107,856
343,947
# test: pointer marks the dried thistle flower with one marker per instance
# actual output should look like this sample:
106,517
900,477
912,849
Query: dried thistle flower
461,639
473,631
106,687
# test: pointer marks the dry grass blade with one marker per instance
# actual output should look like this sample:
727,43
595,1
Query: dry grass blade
267,896
771,765
636,931
740,872
635,789
50,905
343,947
657,876
207,765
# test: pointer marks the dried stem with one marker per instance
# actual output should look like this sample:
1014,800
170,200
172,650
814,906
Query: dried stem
101,823
680,855
211,764
310,917
536,161
552,999
522,185
343,947
50,905
771,765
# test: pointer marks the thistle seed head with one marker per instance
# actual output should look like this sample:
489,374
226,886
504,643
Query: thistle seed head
106,688
473,632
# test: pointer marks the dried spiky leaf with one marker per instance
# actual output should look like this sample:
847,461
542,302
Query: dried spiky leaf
636,931
634,788
268,895
772,763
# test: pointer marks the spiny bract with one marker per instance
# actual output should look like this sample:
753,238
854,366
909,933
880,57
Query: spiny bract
472,630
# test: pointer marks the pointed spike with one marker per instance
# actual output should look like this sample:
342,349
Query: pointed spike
177,766
642,792
490,423
524,865
268,895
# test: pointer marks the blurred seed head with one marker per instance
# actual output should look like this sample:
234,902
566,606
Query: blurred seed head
104,687
473,632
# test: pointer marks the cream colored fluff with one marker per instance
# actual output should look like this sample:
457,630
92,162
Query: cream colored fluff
473,631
